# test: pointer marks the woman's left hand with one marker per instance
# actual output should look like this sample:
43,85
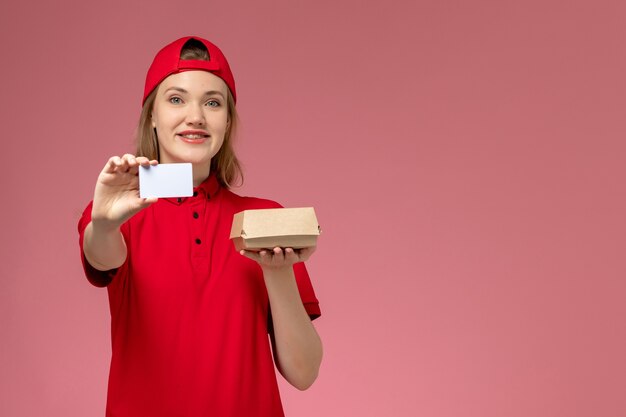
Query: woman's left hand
278,258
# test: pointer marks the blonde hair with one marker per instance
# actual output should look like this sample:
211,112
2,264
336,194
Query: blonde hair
225,164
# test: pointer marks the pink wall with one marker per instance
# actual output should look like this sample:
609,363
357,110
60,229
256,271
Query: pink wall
466,159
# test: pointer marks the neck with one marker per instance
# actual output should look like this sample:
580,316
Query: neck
200,173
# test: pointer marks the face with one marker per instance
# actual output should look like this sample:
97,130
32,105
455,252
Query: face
190,115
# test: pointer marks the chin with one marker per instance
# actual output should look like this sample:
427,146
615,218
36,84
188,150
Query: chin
194,157
199,161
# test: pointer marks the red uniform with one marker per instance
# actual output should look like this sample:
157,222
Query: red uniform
189,315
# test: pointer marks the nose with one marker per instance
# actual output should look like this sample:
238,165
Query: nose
195,116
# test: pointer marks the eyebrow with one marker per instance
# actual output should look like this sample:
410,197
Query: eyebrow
207,93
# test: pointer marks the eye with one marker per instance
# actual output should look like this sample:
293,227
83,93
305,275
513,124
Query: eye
175,100
213,103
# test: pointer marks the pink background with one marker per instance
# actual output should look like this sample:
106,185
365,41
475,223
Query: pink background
466,160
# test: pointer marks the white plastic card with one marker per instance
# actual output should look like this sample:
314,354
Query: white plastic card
166,180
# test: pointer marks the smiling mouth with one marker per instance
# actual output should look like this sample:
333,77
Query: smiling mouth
193,136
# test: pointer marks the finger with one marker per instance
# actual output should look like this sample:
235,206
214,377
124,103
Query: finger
249,254
278,252
125,162
133,170
131,161
143,161
122,165
266,257
135,163
278,256
112,164
291,256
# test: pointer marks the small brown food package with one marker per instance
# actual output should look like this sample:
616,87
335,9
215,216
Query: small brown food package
268,228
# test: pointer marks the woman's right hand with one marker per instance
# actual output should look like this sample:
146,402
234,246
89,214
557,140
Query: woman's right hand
116,198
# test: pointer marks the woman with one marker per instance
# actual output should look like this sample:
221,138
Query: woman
189,315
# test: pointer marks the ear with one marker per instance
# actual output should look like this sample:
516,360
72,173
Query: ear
152,120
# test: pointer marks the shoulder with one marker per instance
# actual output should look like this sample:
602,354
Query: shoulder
249,203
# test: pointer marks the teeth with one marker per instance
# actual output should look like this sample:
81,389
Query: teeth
193,136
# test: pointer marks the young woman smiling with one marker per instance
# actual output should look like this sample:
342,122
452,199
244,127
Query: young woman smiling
190,316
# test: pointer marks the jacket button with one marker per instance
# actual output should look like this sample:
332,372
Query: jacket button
195,215
198,241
